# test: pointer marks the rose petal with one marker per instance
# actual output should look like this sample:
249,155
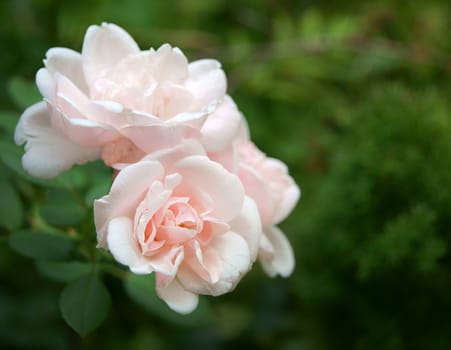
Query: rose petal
83,132
169,100
103,47
76,105
248,225
257,188
194,119
47,153
122,244
243,130
236,260
205,264
206,81
70,98
168,156
46,83
155,198
266,251
162,136
66,62
125,194
175,235
177,298
234,257
282,261
228,158
221,127
168,63
133,117
289,200
211,228
203,176
166,262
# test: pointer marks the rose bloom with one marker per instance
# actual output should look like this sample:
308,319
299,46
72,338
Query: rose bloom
118,103
267,182
183,217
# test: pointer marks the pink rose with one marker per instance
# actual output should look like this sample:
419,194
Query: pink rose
184,217
118,103
267,182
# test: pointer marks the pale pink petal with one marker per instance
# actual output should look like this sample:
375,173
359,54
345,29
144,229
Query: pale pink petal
112,113
169,100
205,263
177,298
47,153
193,120
122,244
243,130
221,126
103,47
83,132
161,136
211,228
168,156
289,200
206,81
193,281
167,261
75,104
282,262
168,64
46,84
223,190
266,251
70,99
234,261
132,71
257,188
228,158
66,62
248,225
126,192
72,114
137,118
175,235
155,198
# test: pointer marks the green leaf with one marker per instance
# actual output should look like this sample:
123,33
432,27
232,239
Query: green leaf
63,271
11,213
74,178
8,121
98,191
11,155
312,24
44,246
141,289
84,304
60,208
23,93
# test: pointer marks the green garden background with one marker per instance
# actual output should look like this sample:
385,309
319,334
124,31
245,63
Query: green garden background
355,96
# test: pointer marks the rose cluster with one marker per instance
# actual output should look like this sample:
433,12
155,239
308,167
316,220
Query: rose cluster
193,200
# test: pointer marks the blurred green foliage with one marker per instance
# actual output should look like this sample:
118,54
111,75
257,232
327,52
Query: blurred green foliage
353,95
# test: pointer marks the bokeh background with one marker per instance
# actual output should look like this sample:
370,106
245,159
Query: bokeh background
353,95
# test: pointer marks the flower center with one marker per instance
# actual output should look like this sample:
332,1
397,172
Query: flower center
180,222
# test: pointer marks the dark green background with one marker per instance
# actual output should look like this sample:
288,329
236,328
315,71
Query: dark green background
353,95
